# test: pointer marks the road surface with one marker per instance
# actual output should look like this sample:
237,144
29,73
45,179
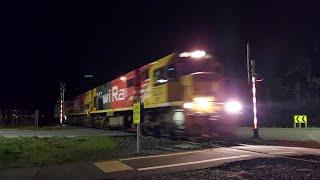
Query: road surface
199,159
166,163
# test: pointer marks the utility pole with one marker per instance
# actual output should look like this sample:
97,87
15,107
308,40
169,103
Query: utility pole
62,90
252,78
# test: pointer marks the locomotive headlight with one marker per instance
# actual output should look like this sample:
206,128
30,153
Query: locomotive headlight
202,102
233,106
198,54
188,105
195,54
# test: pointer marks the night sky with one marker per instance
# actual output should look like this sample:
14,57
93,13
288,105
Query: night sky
44,42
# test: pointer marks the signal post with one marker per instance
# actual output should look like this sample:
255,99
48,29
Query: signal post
252,78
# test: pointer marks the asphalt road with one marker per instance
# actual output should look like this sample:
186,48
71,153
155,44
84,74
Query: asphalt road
142,166
147,165
165,163
69,132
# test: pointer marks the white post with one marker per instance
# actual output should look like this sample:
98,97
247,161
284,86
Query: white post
61,107
251,73
62,89
254,101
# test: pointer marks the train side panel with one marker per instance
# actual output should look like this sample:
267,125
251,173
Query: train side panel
158,82
89,101
123,91
78,104
103,97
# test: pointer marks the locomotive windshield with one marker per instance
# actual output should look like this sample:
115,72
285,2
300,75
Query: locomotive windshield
189,66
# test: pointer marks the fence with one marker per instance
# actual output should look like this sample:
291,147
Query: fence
10,118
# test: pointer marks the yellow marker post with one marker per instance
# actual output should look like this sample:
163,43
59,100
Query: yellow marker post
136,113
136,120
299,119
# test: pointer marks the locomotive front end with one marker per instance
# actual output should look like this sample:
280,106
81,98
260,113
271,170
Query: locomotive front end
207,105
211,105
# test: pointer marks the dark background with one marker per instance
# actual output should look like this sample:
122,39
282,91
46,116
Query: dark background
44,42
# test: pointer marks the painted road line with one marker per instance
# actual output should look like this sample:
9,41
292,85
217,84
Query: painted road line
193,162
163,155
283,152
245,144
112,166
275,148
298,149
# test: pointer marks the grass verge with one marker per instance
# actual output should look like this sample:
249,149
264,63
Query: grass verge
34,151
47,128
56,127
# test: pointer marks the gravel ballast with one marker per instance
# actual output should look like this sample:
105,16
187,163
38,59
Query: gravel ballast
262,168
126,146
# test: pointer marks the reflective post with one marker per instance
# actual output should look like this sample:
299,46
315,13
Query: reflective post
62,90
252,74
254,101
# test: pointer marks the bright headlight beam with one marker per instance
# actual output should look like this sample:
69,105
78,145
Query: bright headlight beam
184,54
202,99
203,104
198,54
194,54
123,78
233,106
188,105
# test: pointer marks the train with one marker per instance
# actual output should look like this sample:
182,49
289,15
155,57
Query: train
182,94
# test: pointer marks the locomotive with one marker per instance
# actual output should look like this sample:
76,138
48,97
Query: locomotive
182,94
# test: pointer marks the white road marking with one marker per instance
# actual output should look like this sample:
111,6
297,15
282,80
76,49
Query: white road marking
245,144
164,155
302,149
283,152
193,162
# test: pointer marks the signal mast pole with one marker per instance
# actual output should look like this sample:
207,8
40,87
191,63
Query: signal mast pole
252,79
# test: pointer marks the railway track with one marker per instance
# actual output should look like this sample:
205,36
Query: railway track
204,142
194,144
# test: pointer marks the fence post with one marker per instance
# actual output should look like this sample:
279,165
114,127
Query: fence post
36,118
